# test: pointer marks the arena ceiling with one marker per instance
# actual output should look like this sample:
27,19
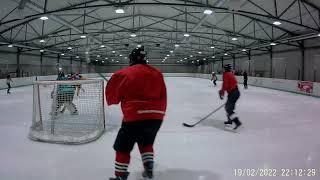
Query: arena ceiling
172,31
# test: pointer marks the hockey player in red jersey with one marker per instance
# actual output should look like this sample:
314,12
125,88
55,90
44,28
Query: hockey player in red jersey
141,90
230,85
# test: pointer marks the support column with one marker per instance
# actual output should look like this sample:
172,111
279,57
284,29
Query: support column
80,69
234,61
271,62
58,63
41,63
302,48
18,70
71,64
222,63
58,59
249,63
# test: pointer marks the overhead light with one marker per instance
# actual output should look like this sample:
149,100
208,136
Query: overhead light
106,58
69,47
178,61
273,44
60,68
200,52
42,41
139,45
102,46
62,54
77,57
119,11
212,47
125,57
133,35
181,60
10,45
113,51
83,36
171,51
165,57
204,59
112,60
191,55
226,54
98,55
186,35
185,58
319,34
213,57
147,61
86,52
234,39
176,45
102,61
198,60
192,61
277,23
120,55
41,50
96,59
243,50
43,18
117,61
207,11
168,55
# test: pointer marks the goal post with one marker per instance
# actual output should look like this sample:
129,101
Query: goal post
69,112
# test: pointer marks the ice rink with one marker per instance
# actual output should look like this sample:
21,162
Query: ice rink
281,131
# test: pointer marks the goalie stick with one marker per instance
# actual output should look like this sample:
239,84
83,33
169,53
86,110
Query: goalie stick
204,118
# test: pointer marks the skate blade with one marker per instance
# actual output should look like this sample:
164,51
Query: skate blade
230,129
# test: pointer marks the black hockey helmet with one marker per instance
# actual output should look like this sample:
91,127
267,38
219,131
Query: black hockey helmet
227,67
138,56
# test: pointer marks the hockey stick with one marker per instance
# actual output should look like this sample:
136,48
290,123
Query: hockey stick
204,118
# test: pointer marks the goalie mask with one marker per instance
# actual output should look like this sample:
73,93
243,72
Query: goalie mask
137,56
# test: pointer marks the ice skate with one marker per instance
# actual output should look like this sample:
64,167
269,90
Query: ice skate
238,126
123,177
228,123
147,175
75,113
148,171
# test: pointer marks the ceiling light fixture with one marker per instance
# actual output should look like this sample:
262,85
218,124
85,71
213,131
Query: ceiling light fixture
186,35
277,23
43,18
119,10
207,11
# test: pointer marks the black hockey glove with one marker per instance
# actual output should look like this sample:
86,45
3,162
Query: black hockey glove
221,94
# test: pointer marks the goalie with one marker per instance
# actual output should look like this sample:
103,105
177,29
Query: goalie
63,96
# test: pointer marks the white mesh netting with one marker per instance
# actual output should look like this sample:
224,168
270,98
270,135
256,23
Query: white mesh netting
70,112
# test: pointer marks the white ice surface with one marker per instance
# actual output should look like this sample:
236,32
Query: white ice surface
281,130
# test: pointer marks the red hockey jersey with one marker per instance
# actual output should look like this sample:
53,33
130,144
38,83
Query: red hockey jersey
141,90
229,82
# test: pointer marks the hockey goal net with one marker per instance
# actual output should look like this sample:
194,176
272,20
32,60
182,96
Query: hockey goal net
70,112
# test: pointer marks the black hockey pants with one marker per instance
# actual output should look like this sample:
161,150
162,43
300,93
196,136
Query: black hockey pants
233,97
